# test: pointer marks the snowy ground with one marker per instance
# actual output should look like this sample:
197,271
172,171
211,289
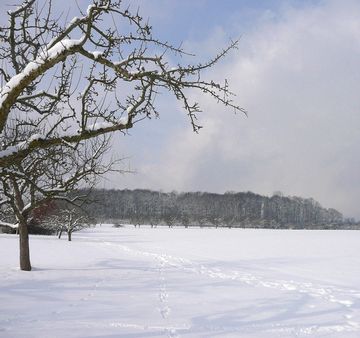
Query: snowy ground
126,282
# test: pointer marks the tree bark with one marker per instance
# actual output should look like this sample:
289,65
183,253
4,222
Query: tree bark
25,264
69,236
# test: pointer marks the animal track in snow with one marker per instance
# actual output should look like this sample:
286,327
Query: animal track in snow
163,296
332,294
345,297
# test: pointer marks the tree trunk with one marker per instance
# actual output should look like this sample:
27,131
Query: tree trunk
69,236
25,264
60,233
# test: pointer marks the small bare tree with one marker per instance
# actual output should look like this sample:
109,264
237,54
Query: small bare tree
74,220
67,218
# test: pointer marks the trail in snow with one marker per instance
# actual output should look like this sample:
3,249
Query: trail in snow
343,297
163,296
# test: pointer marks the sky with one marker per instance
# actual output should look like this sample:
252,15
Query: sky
296,72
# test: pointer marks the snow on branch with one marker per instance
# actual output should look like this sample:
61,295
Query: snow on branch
10,225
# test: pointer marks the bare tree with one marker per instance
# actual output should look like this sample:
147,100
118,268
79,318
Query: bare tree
74,221
62,84
67,218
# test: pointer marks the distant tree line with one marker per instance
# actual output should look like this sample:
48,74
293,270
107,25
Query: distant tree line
242,209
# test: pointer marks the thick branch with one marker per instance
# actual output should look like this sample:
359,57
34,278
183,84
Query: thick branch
17,153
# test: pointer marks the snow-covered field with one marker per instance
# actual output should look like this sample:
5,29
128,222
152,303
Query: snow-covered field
127,282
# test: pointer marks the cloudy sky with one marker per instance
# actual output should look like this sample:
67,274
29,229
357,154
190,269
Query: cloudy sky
296,72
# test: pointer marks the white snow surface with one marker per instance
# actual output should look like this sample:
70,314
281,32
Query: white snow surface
131,282
100,125
97,54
